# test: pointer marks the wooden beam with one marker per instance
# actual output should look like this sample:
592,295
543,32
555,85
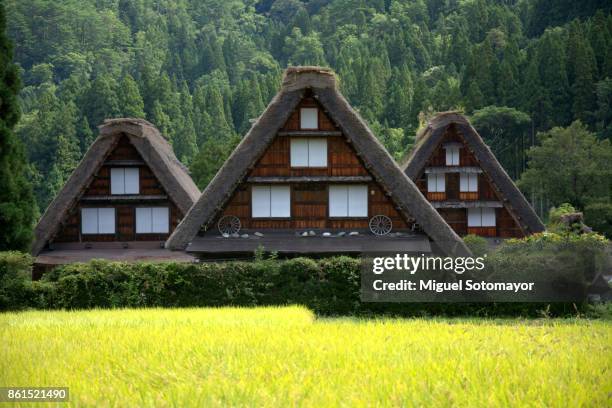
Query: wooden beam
115,198
310,179
466,204
124,163
310,133
453,169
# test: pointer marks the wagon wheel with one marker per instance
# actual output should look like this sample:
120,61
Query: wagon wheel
380,225
229,224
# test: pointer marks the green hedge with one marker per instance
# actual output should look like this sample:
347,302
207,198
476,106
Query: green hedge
328,286
16,288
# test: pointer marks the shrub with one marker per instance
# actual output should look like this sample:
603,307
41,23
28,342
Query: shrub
555,213
16,289
565,259
554,218
477,244
328,286
599,217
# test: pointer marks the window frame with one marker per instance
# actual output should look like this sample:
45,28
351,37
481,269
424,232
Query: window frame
308,140
97,210
123,170
348,187
270,188
453,152
309,108
480,216
470,185
437,176
151,211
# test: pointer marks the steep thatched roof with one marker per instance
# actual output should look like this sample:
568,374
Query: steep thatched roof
322,83
156,153
430,137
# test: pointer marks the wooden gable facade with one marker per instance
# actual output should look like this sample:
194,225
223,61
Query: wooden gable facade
459,175
128,188
310,186
484,196
311,178
98,194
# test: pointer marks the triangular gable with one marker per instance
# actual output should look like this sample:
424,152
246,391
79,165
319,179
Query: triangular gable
322,83
429,139
155,151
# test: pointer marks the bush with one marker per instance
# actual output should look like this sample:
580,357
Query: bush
555,213
599,217
16,290
554,218
329,286
477,244
570,260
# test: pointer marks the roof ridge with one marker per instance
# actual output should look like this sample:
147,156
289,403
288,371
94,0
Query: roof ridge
299,77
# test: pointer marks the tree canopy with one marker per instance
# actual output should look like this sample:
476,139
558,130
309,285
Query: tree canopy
569,166
17,208
202,70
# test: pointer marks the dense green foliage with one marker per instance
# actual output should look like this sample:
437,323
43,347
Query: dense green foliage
563,258
505,130
555,214
478,245
202,70
15,280
329,286
17,206
570,165
598,215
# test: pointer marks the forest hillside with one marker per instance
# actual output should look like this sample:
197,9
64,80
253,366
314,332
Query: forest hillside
201,70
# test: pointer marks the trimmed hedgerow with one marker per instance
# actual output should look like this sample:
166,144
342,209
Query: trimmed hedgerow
328,286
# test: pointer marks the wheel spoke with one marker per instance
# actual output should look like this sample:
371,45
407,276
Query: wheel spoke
380,225
229,224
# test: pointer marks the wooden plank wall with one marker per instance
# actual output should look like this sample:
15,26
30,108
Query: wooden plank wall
341,161
309,209
457,218
483,231
506,225
309,201
125,217
100,185
293,123
125,224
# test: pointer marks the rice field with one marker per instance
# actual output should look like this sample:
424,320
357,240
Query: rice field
287,357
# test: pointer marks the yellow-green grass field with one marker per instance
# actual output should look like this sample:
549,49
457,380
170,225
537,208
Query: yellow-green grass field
287,357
